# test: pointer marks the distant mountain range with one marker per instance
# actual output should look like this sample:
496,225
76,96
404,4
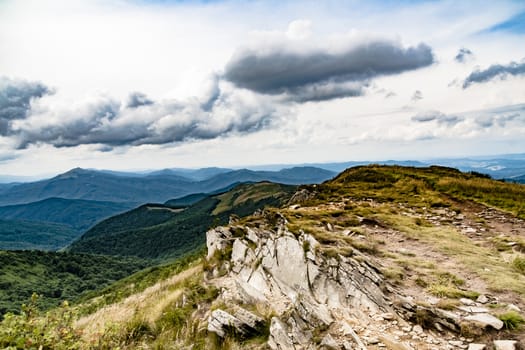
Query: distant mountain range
157,188
50,214
68,204
500,167
519,179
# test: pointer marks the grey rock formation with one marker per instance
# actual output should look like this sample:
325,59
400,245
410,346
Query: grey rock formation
314,300
287,274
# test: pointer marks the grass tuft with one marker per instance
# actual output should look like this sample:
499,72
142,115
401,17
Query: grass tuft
519,264
512,320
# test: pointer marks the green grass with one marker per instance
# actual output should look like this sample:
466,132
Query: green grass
507,196
421,187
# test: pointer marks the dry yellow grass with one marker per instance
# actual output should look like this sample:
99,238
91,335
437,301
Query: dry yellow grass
148,305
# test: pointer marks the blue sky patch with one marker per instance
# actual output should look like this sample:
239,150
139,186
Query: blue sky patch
515,24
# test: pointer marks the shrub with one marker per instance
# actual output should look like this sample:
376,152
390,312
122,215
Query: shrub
30,329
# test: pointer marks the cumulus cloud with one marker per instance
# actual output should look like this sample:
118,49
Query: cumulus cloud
496,71
322,73
464,55
110,123
15,100
500,119
439,117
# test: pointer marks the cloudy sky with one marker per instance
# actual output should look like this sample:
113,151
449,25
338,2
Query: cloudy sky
142,84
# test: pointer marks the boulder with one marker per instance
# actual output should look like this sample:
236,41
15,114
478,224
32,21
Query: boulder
484,320
244,323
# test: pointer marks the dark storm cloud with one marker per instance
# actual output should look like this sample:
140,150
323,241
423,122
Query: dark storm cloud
137,99
325,91
463,55
314,75
69,132
15,100
439,117
111,124
496,71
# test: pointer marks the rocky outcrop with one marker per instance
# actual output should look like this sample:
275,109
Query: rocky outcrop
312,298
307,292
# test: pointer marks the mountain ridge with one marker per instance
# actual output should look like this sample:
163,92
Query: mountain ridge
93,185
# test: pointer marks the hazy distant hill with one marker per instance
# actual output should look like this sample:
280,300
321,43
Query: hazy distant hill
520,179
94,185
102,186
77,213
20,234
193,174
157,231
4,187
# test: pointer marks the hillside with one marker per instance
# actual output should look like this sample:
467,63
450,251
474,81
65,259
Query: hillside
78,214
56,276
186,201
21,234
160,232
378,258
103,186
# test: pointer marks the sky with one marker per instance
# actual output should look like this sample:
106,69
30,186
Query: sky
136,84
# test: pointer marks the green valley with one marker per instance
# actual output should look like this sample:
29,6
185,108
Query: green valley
21,234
